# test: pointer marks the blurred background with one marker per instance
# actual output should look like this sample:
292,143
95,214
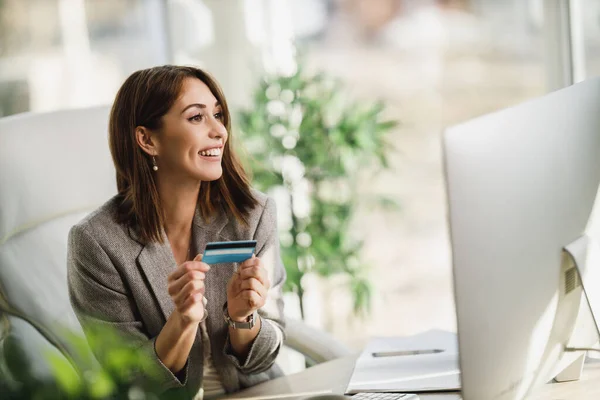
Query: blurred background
407,67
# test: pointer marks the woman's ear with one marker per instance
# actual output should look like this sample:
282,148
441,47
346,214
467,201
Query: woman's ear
146,139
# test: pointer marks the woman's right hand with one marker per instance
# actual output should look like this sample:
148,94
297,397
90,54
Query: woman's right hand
186,288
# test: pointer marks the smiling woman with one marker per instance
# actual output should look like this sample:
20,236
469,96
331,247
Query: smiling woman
134,264
184,114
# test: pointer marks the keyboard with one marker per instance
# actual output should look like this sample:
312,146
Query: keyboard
384,396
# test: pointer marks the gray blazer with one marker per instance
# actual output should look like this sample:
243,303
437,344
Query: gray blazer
114,280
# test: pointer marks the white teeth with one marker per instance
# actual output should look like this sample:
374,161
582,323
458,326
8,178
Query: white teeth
211,152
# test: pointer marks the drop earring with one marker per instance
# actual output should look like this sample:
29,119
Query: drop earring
154,166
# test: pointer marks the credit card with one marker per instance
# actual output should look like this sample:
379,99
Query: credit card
228,252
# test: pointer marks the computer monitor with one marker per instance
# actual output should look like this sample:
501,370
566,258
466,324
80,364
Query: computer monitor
521,185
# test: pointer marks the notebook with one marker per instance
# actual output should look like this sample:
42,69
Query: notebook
426,362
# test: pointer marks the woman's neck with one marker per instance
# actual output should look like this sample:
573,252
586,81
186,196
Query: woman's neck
178,203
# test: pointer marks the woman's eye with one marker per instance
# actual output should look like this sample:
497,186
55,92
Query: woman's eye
196,118
219,115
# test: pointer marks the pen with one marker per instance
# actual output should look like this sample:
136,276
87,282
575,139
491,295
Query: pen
405,353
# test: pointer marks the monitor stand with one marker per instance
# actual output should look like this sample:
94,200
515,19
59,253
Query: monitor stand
585,253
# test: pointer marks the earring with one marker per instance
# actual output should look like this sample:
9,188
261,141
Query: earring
154,166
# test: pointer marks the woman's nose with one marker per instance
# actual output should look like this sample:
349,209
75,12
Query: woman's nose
217,129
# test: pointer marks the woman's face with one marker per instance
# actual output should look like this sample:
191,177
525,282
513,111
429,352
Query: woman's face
192,139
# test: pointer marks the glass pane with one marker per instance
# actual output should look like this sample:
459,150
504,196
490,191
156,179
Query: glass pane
434,64
214,35
590,18
72,53
26,28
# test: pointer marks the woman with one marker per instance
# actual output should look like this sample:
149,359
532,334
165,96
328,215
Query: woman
134,263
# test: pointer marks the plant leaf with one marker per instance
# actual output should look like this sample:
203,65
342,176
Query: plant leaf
66,377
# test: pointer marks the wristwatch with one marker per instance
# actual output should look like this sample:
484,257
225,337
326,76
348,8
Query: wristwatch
248,324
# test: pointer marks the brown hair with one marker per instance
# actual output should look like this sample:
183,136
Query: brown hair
142,100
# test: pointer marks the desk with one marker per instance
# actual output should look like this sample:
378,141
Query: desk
334,376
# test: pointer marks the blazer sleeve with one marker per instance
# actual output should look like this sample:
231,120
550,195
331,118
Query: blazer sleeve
101,300
265,347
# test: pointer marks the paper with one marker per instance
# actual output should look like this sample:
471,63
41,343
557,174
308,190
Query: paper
285,396
428,362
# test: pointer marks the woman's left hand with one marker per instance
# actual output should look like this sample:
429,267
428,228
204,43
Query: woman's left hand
247,289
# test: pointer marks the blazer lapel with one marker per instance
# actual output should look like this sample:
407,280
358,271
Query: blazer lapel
204,233
216,290
156,262
203,230
217,278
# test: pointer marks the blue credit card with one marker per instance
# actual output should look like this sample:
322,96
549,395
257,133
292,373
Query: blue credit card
228,252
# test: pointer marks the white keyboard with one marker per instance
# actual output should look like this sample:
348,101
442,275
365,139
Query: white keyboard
384,396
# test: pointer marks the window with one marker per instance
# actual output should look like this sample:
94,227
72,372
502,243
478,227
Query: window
72,53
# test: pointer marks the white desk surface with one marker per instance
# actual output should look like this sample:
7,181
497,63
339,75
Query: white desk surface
333,377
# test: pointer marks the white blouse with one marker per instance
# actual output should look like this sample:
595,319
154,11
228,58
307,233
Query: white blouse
212,386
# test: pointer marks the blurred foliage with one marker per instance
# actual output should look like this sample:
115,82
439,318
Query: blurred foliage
126,373
305,136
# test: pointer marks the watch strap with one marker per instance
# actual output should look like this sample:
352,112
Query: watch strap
248,324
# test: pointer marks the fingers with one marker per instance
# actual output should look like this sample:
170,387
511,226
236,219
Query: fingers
255,285
176,286
186,288
191,289
253,299
251,290
190,302
188,266
249,286
187,279
257,272
250,262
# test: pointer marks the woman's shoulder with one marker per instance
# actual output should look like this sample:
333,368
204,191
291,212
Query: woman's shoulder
264,211
102,222
261,199
265,205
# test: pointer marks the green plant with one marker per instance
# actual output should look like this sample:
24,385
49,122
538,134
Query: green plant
120,377
305,136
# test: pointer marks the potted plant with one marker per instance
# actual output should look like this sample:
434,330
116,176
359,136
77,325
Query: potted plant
306,139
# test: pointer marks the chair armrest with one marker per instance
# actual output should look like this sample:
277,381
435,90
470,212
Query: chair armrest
316,345
25,352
